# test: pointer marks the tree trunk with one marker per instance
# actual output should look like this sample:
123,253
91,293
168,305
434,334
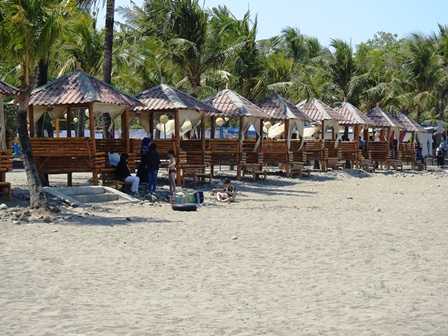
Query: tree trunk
107,65
108,41
37,198
44,123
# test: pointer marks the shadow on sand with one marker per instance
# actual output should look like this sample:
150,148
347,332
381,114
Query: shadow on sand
89,220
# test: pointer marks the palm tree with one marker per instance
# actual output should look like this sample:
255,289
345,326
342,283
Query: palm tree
32,27
342,67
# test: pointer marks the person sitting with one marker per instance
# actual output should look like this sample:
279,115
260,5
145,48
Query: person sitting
124,174
228,193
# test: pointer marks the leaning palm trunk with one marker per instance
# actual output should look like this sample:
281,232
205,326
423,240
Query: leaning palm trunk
37,198
107,66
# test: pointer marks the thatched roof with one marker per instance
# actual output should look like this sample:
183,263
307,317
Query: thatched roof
277,107
382,119
7,90
164,97
79,88
231,104
351,115
317,110
409,124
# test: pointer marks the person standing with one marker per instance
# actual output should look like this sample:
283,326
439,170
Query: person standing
152,163
172,172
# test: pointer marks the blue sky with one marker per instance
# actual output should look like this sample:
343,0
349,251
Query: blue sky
351,20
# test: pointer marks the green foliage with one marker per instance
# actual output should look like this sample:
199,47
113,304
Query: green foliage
201,51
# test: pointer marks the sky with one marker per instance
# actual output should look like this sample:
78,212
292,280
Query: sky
351,20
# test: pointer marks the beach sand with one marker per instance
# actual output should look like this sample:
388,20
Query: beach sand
330,255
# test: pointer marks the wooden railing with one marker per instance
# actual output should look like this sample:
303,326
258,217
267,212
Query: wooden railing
66,155
5,164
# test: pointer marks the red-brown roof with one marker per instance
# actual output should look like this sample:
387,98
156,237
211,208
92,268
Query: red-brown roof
164,97
7,90
317,110
382,119
79,88
409,124
350,115
277,107
231,104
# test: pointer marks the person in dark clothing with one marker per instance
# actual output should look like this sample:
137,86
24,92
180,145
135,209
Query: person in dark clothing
152,163
123,172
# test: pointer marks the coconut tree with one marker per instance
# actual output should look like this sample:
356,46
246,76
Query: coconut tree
342,66
32,27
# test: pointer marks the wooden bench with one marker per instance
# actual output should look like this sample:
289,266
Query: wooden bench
333,155
195,164
276,153
251,160
252,164
315,150
349,151
5,166
66,156
408,154
107,146
224,152
380,154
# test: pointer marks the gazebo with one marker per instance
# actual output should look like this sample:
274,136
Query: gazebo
326,117
287,119
383,150
243,152
6,90
78,90
351,116
407,150
176,115
383,121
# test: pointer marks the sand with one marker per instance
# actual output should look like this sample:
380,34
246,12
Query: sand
331,255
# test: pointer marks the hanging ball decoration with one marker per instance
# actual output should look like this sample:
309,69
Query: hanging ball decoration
226,119
86,113
164,119
220,122
75,120
65,115
267,124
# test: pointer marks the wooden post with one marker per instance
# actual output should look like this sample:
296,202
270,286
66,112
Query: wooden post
3,145
31,120
356,133
177,146
93,143
261,133
125,131
57,127
240,140
151,124
203,133
240,130
287,130
212,127
68,124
